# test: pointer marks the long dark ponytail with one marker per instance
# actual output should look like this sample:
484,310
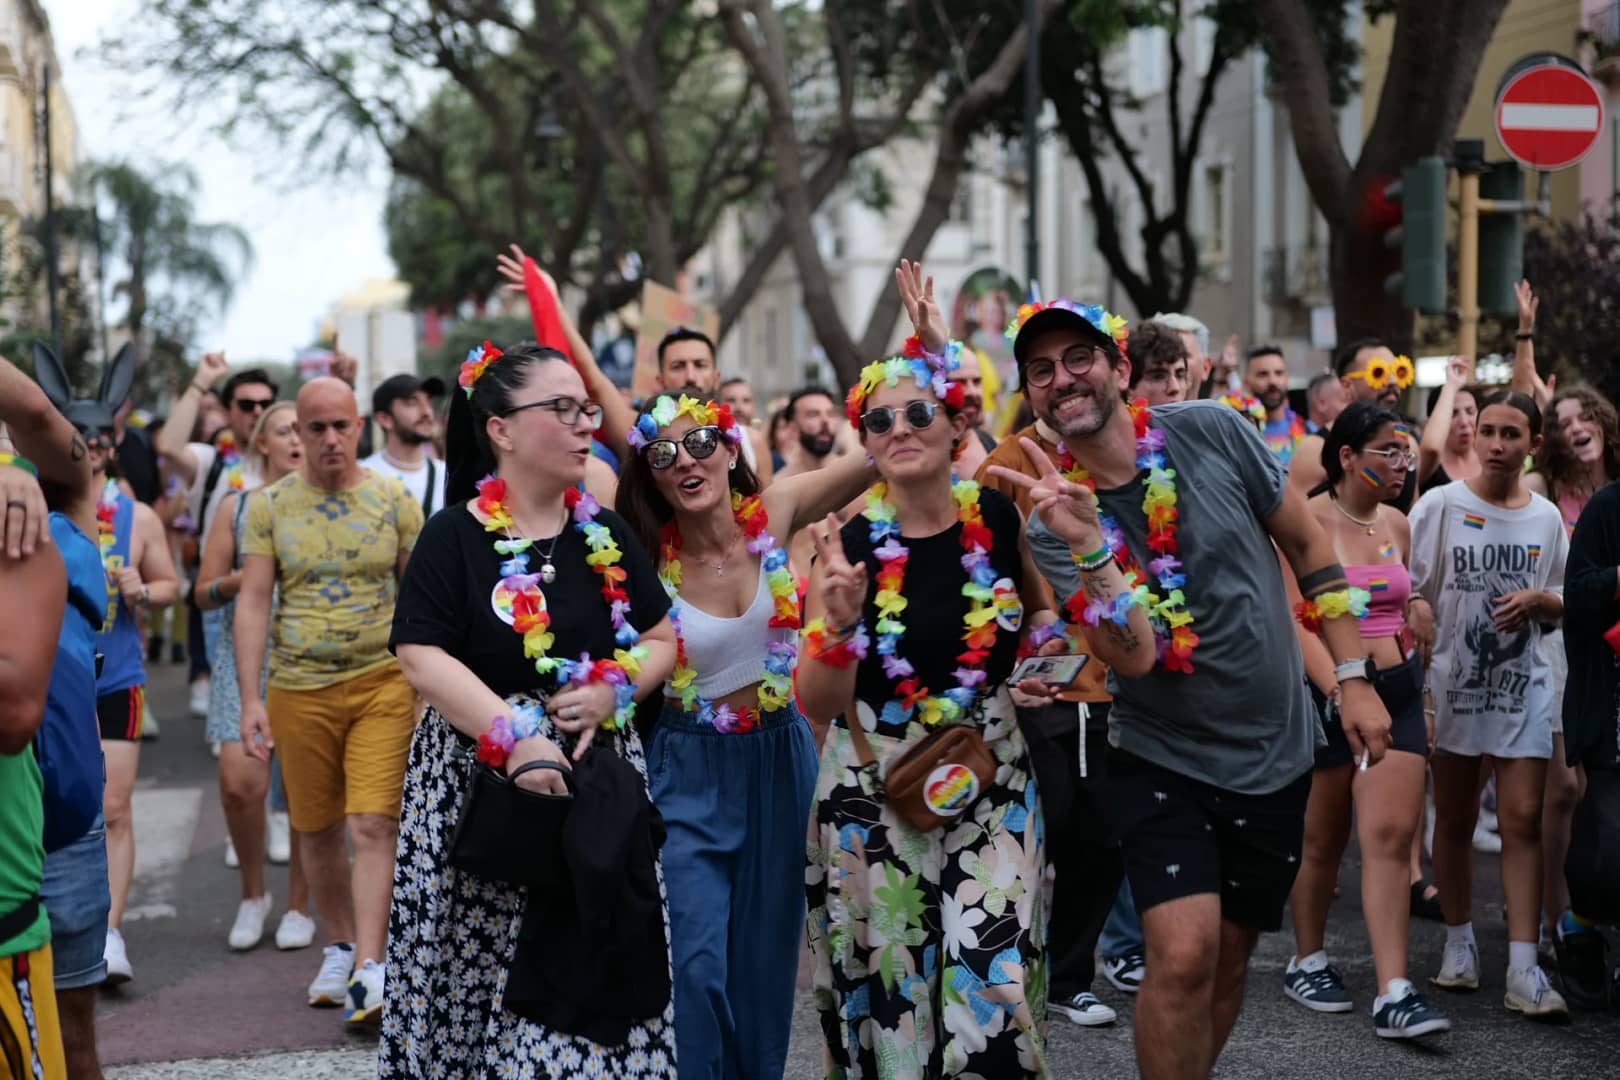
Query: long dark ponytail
468,456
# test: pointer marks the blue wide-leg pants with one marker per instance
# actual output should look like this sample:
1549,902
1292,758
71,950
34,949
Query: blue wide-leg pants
736,808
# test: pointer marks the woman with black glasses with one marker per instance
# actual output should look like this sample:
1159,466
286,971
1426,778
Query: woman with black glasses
530,620
732,761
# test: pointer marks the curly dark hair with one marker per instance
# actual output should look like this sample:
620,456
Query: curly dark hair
1153,341
1556,461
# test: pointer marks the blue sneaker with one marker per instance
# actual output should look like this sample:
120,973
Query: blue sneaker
1408,1017
366,995
1322,990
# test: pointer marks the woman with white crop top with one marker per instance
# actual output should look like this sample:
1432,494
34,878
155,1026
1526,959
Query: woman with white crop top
732,763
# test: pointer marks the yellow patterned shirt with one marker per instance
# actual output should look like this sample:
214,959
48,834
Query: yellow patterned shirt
336,554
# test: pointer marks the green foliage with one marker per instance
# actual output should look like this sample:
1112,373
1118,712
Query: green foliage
1575,267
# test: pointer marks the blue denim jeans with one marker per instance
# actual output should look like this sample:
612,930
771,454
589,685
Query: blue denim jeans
736,807
77,902
1122,933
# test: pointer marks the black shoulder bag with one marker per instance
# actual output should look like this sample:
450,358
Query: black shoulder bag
510,834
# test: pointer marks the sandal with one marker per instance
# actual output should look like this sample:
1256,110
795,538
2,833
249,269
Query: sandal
1425,906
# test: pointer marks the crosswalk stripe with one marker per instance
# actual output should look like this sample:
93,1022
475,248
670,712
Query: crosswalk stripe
165,824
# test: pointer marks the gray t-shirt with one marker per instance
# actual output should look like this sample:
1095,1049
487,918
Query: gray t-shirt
1243,720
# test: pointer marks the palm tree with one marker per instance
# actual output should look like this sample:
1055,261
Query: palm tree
163,262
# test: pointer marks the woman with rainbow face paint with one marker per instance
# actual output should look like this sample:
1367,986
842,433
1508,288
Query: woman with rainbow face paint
732,760
1366,455
928,947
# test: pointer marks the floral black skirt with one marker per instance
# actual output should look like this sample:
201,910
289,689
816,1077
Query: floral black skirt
452,936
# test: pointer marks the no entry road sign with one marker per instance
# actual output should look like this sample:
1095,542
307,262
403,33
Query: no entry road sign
1549,116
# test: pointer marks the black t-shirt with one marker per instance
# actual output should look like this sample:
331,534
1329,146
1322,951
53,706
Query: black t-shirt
934,601
137,463
447,598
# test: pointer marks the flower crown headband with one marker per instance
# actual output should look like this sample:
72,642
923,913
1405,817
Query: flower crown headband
1378,373
930,370
1106,322
479,357
665,410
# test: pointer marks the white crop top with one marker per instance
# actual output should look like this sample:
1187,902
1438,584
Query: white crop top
729,654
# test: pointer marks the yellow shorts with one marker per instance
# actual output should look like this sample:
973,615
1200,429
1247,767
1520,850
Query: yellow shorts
343,747
30,1034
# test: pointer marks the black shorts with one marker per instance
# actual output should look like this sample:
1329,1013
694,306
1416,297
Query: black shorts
120,714
1401,690
1182,837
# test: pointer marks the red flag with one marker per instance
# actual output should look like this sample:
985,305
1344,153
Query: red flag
548,329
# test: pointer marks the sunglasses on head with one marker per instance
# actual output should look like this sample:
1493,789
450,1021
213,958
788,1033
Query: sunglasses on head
700,442
918,414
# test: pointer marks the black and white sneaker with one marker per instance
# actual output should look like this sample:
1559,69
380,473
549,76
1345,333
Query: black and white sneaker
1322,990
1125,972
1084,1009
1408,1018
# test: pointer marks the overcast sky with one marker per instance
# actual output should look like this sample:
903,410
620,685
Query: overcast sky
311,244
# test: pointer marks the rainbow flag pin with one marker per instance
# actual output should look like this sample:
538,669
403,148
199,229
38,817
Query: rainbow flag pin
1378,584
1535,551
1387,550
1473,521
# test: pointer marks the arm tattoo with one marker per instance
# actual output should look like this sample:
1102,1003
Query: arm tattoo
1122,636
1317,582
1097,586
77,450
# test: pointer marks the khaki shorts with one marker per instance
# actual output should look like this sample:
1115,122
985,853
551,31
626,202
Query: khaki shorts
30,1035
343,747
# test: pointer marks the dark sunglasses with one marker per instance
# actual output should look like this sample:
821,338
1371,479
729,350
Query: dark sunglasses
253,404
918,414
97,439
700,442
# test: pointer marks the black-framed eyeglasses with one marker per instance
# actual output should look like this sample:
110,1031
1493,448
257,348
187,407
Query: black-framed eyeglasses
1077,361
98,438
700,442
253,404
918,414
568,410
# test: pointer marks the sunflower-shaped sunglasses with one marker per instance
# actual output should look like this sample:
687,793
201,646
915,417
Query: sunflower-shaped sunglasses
1379,373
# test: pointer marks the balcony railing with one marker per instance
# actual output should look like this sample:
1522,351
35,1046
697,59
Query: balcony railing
1295,275
1603,30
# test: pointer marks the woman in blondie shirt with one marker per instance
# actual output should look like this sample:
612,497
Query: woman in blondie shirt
1488,554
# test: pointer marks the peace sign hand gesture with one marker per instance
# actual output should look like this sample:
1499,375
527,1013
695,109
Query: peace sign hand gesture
917,294
842,586
1068,509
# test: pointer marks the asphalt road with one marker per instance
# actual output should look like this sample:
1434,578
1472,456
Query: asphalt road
195,1009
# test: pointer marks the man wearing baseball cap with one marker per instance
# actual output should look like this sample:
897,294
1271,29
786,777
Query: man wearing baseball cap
401,406
1210,753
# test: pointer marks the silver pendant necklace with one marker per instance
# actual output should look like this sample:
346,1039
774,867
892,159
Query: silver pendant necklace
548,572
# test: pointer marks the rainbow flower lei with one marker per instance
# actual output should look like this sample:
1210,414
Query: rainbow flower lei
1167,610
479,357
106,540
978,624
231,456
776,688
665,410
1105,321
1250,407
931,371
531,619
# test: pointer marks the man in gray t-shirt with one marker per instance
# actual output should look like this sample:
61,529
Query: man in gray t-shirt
1243,720
1213,745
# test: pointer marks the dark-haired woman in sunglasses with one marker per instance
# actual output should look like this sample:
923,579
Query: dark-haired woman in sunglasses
732,761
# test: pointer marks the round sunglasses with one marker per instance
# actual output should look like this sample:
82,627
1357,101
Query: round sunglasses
700,442
918,414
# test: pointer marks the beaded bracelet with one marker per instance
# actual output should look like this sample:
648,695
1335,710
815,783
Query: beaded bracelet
1089,564
20,462
818,644
1331,605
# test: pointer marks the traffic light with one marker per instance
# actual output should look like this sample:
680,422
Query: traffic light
1501,240
1420,236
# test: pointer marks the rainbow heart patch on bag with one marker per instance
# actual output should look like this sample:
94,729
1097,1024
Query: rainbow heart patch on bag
950,788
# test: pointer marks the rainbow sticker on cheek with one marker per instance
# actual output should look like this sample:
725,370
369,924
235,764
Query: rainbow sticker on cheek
1372,479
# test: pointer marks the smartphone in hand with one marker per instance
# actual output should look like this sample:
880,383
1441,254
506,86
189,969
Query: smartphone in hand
1059,672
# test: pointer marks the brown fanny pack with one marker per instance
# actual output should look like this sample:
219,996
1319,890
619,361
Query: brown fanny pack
934,782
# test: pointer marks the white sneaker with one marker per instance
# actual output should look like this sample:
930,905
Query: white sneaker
1485,841
231,859
366,995
149,724
1487,818
279,846
199,698
296,931
1459,967
1528,992
117,957
249,927
331,987
213,748
1084,1009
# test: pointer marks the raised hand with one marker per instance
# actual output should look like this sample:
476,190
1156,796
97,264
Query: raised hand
842,587
510,267
1529,304
917,294
1067,508
343,366
211,369
1457,372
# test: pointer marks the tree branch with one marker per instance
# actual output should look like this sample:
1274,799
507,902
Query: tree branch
1301,72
